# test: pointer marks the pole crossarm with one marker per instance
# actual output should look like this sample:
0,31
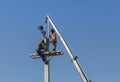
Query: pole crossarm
34,56
54,53
50,53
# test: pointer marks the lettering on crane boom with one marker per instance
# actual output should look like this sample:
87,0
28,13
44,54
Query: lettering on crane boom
51,53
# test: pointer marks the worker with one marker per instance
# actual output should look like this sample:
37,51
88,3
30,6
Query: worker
54,39
43,30
41,48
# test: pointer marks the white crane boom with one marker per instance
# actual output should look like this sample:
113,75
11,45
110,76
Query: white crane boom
79,69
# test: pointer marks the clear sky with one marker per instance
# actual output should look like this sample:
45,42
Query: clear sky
90,27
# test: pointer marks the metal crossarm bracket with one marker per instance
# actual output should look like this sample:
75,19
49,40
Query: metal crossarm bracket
50,53
34,56
54,53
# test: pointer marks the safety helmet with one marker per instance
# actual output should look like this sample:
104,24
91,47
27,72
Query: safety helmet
40,27
52,30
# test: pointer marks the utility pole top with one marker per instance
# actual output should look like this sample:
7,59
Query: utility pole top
43,51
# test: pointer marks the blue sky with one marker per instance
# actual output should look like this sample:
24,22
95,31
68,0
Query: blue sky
90,27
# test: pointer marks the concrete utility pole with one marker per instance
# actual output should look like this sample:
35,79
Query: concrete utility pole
46,64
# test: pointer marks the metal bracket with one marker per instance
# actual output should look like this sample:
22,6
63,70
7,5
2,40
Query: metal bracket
51,53
74,58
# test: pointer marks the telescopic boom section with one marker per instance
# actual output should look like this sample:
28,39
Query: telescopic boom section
79,69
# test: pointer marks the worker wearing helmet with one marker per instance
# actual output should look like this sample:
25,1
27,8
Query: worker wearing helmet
40,49
43,30
54,39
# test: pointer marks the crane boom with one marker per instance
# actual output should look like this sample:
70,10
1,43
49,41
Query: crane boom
79,69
